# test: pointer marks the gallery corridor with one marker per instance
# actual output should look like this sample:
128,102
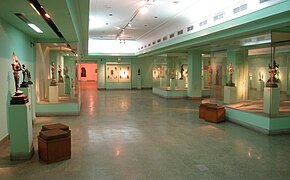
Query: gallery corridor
132,134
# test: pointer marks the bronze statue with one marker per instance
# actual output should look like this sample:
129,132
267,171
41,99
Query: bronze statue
60,78
230,71
273,72
181,71
53,81
24,75
16,68
52,70
19,97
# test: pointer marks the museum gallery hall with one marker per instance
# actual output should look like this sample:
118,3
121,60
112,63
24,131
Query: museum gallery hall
145,89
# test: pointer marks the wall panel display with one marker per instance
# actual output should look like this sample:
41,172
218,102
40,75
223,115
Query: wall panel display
124,73
112,73
118,73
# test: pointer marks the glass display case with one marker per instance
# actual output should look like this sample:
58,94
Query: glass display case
170,66
253,59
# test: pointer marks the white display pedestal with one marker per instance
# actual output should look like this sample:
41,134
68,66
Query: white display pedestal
139,82
162,82
60,89
172,84
181,83
67,85
21,133
28,91
230,94
271,100
260,86
53,94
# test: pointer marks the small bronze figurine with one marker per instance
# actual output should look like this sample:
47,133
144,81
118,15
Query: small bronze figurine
273,72
16,68
230,71
60,78
53,81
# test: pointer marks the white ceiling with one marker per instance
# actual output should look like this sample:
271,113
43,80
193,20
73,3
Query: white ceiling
72,18
104,26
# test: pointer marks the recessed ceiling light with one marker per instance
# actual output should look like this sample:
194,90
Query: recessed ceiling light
46,15
110,14
155,17
35,28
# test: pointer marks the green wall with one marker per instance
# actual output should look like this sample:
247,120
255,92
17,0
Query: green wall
11,40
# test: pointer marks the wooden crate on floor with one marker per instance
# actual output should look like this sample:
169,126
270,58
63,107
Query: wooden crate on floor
215,114
203,109
54,145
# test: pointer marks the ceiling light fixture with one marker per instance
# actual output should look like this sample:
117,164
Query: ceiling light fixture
46,17
35,28
25,20
33,7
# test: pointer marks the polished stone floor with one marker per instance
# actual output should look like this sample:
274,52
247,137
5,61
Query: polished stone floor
123,134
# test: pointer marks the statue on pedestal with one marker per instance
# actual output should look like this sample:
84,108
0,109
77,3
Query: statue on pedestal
60,78
53,81
181,71
29,77
273,72
230,71
16,67
139,72
18,97
24,75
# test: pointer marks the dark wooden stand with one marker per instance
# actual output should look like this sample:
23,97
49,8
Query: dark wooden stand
212,112
54,145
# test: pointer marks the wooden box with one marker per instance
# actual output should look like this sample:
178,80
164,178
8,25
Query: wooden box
55,126
215,114
203,109
54,145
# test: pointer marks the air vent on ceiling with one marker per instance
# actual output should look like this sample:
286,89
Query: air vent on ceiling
171,35
159,40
